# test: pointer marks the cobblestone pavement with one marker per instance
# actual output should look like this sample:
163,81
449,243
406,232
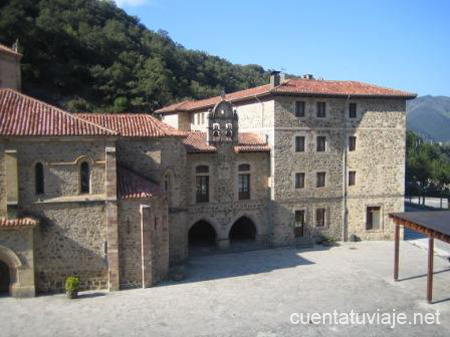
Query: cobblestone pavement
251,294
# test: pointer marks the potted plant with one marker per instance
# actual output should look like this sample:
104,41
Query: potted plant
72,286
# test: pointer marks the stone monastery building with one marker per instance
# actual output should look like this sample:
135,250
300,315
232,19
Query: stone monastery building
118,198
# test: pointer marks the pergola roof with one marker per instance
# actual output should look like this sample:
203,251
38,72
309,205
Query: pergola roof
431,222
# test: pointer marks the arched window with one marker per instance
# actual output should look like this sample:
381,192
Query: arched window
244,181
39,178
202,183
85,177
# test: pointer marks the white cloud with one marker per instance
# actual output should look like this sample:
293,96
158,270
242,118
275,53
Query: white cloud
135,3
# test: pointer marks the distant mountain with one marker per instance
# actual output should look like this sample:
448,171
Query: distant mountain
429,116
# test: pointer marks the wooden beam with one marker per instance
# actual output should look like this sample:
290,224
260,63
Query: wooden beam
397,251
430,269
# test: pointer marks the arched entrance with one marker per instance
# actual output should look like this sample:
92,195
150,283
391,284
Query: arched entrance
202,238
5,278
243,231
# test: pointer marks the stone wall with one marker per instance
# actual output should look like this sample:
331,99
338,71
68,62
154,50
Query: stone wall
61,162
16,250
71,238
130,235
224,206
10,72
154,158
379,164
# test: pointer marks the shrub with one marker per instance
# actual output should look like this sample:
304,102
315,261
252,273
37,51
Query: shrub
72,284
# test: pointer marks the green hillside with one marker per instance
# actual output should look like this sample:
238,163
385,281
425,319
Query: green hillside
429,116
89,55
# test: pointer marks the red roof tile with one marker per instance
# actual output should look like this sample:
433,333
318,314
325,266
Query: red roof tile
24,222
294,87
21,115
133,125
251,142
196,142
210,102
131,185
6,50
248,142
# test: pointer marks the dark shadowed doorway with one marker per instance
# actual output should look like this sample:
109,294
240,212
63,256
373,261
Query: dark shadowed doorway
5,278
202,238
243,231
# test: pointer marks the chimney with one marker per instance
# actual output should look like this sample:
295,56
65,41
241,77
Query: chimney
275,79
308,77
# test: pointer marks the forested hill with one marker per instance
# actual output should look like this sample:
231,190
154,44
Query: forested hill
89,55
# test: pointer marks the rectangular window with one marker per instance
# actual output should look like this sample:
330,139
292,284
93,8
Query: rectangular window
299,223
299,180
244,186
320,217
299,109
373,218
300,144
320,180
202,194
352,110
321,143
351,178
321,110
352,143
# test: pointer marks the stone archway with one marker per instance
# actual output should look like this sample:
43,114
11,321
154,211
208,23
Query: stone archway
21,277
9,266
243,231
202,238
5,278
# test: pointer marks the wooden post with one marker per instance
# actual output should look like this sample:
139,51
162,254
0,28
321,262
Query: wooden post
430,269
397,250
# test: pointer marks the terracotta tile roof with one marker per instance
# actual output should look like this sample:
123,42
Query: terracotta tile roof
21,115
24,222
6,50
248,142
210,102
339,88
133,125
196,142
131,185
295,87
251,142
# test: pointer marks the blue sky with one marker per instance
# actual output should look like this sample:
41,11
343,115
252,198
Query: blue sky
397,43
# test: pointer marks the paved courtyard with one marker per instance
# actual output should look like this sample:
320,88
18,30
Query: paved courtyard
251,294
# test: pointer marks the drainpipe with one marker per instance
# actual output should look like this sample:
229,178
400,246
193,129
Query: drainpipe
344,174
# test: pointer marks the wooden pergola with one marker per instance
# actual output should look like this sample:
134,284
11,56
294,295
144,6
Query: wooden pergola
434,224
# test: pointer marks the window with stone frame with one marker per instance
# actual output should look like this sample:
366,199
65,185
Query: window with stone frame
351,143
373,217
351,178
85,178
244,181
300,180
321,144
39,178
321,110
320,217
352,110
300,109
202,184
299,224
320,179
300,144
